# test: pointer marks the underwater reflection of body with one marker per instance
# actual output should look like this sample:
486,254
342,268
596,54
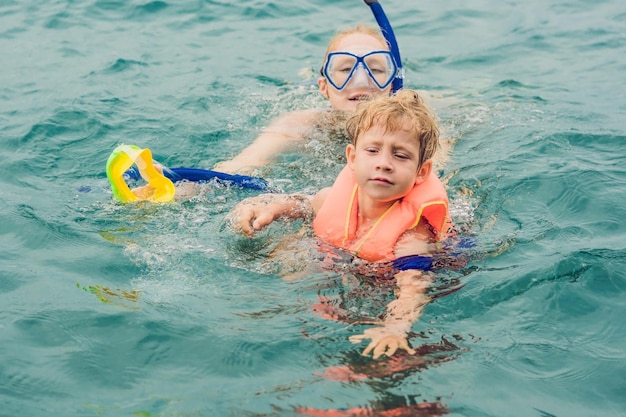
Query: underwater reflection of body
423,409
343,297
356,299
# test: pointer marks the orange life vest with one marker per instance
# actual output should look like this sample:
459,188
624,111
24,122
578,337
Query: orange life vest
336,220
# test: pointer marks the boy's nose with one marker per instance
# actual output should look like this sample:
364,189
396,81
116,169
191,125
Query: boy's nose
384,162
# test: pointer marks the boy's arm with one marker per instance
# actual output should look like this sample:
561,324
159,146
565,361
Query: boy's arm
282,133
417,241
254,213
401,314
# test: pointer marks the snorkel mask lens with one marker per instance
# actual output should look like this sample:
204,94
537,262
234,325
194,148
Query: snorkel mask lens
340,68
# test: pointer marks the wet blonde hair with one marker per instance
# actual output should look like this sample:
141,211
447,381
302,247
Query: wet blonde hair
404,110
360,28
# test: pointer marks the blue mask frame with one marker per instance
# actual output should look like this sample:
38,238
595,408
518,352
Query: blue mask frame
360,60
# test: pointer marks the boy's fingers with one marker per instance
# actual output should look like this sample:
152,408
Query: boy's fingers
357,338
389,349
405,345
369,349
242,218
385,348
261,220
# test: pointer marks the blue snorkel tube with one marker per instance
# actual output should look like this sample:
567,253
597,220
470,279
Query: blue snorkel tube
390,37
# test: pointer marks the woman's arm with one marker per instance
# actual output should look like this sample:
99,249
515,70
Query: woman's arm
283,133
401,314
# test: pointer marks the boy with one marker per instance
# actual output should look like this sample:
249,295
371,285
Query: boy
385,204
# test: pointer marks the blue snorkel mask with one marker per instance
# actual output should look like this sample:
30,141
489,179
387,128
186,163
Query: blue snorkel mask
390,37
378,66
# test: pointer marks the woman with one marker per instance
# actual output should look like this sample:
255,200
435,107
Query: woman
357,66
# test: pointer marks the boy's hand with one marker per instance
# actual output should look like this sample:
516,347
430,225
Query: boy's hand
253,214
385,341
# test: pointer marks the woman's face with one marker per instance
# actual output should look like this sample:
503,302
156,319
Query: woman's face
360,86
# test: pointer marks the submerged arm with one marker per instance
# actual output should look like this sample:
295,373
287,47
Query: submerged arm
401,314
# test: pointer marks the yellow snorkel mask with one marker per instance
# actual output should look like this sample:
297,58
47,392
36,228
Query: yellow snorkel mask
159,189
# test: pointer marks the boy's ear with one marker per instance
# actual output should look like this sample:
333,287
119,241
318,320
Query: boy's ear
424,172
322,83
350,155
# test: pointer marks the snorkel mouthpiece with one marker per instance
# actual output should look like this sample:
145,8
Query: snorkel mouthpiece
159,188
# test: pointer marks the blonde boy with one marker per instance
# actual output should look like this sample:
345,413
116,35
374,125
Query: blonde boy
385,204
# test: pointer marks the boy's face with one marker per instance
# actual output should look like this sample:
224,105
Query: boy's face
385,164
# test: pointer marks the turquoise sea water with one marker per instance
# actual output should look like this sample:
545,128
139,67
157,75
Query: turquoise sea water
160,310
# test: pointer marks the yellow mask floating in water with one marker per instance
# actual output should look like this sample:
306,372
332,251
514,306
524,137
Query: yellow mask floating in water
159,188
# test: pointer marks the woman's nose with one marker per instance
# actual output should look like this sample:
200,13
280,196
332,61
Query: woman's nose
360,77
